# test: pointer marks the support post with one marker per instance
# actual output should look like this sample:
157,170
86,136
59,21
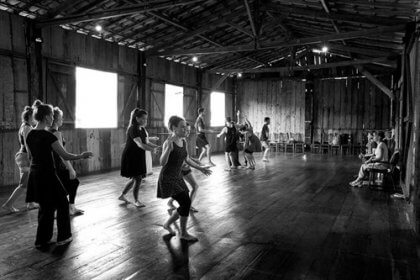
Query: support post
141,80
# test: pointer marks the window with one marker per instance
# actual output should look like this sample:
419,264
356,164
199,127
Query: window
96,99
174,101
217,108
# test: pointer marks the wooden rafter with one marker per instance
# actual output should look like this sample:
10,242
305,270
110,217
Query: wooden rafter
376,82
308,67
68,4
123,11
281,44
251,21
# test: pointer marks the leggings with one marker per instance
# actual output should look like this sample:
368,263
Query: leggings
184,202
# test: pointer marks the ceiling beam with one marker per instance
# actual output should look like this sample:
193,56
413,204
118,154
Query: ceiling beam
251,21
376,82
316,13
363,51
291,43
66,5
111,13
308,67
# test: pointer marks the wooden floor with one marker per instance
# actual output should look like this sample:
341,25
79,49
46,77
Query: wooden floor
292,218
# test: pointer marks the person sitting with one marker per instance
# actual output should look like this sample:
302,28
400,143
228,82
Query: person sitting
379,160
390,141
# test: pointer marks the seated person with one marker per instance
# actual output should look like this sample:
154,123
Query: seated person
379,160
390,141
371,144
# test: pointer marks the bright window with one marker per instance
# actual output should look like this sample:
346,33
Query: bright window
174,101
217,108
96,99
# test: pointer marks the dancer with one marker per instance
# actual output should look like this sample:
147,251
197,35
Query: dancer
44,186
171,183
201,141
64,168
133,161
265,134
252,143
230,143
188,176
22,161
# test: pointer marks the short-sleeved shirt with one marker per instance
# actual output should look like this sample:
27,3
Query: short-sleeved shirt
199,123
264,133
39,143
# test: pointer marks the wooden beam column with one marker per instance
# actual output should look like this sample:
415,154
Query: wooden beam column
199,92
376,82
141,80
33,38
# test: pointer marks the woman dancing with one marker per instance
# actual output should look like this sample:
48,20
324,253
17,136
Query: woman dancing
133,161
22,160
171,183
44,186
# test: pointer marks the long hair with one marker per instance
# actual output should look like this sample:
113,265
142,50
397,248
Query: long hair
41,111
136,113
56,113
26,114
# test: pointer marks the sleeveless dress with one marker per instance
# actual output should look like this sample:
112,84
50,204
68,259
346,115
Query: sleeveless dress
133,160
231,139
170,181
201,140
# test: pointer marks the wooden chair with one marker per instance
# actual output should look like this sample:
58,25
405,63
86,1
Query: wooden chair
274,142
377,176
325,146
282,142
299,144
316,145
290,146
345,145
335,144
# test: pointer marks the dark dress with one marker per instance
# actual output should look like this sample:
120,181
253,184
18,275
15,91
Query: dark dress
133,160
264,132
45,188
170,181
231,139
43,183
201,140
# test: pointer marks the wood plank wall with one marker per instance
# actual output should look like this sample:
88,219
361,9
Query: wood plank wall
281,100
62,50
349,106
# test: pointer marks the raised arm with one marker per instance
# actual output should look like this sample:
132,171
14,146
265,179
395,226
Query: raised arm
58,148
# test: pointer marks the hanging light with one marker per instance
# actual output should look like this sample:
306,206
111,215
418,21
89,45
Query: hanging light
195,59
324,49
98,28
239,75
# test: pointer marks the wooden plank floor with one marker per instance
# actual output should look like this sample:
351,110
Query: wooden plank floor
291,218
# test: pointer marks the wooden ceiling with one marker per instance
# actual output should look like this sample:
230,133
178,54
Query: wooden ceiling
236,35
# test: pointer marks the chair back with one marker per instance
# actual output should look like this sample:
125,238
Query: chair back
395,158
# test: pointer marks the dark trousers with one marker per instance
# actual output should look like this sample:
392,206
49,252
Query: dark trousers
70,185
184,202
46,220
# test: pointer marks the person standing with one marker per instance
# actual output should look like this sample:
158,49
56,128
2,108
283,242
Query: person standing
171,182
22,161
64,168
44,186
230,143
265,136
133,160
201,141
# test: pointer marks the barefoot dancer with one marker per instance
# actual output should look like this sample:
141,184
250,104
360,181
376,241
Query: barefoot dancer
230,143
201,141
265,134
188,176
171,183
252,143
133,162
22,161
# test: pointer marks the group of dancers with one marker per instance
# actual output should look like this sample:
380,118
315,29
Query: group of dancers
51,182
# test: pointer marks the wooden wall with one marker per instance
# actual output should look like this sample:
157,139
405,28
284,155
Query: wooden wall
350,106
61,52
281,100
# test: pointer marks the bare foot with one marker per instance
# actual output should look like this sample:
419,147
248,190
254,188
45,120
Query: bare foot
188,237
123,198
139,204
10,209
168,228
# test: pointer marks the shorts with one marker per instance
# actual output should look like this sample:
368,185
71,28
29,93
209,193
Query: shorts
185,172
201,140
